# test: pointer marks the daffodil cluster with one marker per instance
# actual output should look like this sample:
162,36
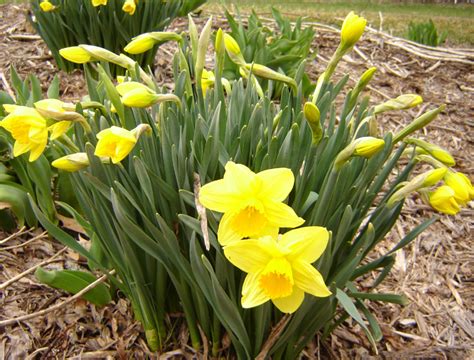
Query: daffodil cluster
278,266
233,204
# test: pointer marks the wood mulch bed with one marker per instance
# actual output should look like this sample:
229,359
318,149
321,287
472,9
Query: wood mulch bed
435,272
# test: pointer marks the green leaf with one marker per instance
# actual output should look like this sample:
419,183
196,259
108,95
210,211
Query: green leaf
74,281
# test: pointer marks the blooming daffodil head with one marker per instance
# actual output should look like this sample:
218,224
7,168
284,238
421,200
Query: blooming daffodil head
443,200
46,6
29,129
252,203
129,6
115,143
279,268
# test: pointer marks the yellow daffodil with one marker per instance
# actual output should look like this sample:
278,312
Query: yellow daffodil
461,185
47,6
71,163
129,6
252,203
115,143
312,115
207,80
29,129
233,50
352,29
403,102
99,2
443,200
279,268
76,54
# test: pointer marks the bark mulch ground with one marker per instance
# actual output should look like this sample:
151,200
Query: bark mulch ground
435,272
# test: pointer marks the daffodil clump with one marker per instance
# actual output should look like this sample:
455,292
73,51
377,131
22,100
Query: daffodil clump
110,24
253,218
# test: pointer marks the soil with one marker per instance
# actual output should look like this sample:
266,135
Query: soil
435,272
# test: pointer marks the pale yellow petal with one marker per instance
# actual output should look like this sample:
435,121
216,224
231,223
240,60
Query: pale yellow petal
37,150
306,243
276,183
252,294
226,234
281,215
247,255
20,148
59,129
290,303
308,279
217,196
238,177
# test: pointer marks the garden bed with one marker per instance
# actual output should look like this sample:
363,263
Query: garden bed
435,271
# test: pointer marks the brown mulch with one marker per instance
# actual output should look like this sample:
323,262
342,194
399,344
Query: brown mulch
435,272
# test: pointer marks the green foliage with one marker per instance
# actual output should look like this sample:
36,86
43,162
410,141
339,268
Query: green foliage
282,49
74,281
426,33
78,22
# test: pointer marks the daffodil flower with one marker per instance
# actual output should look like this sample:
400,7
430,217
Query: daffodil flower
129,6
279,268
47,6
443,200
29,129
461,185
252,203
96,3
115,143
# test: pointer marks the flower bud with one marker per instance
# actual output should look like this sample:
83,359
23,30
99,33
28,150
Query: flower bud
435,151
267,73
139,97
431,178
233,50
403,102
364,146
73,162
76,55
352,29
312,115
146,41
368,146
443,200
418,123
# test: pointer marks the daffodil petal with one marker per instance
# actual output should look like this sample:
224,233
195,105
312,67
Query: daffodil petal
252,294
238,177
37,150
308,279
281,215
290,303
217,196
276,183
20,148
306,243
247,255
225,233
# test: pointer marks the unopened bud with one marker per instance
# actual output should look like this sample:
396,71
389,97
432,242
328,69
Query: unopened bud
418,123
435,151
402,102
71,163
312,115
352,29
